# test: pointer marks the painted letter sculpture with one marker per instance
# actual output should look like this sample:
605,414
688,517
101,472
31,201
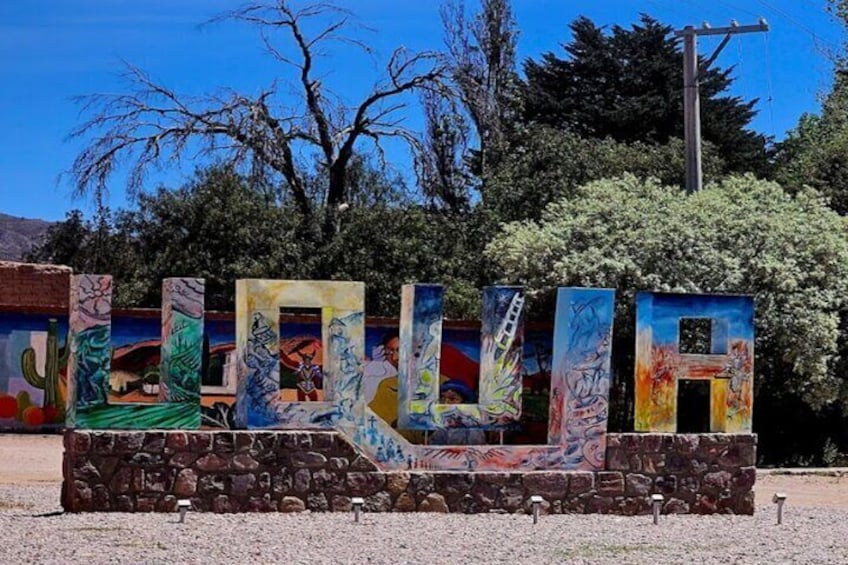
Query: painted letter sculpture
729,367
500,361
88,372
580,379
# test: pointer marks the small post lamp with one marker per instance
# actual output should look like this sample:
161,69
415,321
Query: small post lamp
357,502
183,507
656,503
779,498
536,500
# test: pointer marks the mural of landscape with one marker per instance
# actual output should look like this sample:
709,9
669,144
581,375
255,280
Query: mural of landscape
33,367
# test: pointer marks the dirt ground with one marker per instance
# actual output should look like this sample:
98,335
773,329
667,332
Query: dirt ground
804,489
27,459
33,459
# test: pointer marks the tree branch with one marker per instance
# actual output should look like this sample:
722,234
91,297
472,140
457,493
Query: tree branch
153,126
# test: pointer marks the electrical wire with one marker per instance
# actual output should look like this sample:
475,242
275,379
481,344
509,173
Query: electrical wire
817,40
769,85
736,8
743,82
666,8
817,6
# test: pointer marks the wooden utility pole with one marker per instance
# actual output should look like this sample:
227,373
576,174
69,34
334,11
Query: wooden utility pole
692,74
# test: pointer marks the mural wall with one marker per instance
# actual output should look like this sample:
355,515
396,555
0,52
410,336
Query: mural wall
33,358
426,403
135,368
584,319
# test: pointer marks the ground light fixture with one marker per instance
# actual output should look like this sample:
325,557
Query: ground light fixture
536,501
357,502
656,503
779,498
183,507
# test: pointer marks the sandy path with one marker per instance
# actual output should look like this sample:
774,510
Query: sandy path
803,490
28,459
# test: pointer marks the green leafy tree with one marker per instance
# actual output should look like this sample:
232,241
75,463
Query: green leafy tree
220,228
628,85
390,246
546,164
84,245
217,228
815,153
737,236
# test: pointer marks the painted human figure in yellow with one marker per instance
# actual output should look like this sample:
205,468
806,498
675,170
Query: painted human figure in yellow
384,403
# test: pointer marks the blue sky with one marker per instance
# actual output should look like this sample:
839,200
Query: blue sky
53,50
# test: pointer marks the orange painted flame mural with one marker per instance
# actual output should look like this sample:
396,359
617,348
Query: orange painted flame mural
729,367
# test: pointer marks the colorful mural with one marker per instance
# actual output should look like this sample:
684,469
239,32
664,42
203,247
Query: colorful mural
579,397
584,318
421,396
729,365
135,367
47,379
426,403
182,340
32,365
258,401
258,302
580,381
89,376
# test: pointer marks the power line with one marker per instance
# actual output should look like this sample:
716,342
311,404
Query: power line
743,79
663,7
803,27
736,8
770,99
817,6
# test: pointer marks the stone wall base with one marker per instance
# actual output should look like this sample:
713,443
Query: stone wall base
268,471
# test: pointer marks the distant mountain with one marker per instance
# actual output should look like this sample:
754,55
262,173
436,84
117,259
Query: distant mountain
19,235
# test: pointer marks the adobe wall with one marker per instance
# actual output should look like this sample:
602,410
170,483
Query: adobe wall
24,285
248,471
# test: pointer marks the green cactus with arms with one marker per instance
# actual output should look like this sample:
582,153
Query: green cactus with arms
50,381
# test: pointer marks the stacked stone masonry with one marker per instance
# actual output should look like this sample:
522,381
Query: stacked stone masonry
320,471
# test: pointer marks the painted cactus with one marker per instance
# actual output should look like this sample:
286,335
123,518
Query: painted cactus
49,382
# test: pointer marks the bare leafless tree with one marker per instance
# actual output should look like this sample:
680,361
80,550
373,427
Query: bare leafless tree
153,126
444,171
481,54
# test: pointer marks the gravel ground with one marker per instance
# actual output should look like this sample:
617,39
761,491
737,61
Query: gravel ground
808,535
815,529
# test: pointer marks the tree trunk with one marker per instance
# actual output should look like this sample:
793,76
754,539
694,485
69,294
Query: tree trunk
336,195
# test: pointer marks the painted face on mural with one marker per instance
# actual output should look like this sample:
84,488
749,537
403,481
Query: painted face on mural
450,397
390,350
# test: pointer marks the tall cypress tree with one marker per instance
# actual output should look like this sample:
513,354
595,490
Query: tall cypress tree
628,85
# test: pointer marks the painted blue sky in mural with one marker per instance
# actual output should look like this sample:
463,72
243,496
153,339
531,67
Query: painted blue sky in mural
31,323
592,318
668,309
